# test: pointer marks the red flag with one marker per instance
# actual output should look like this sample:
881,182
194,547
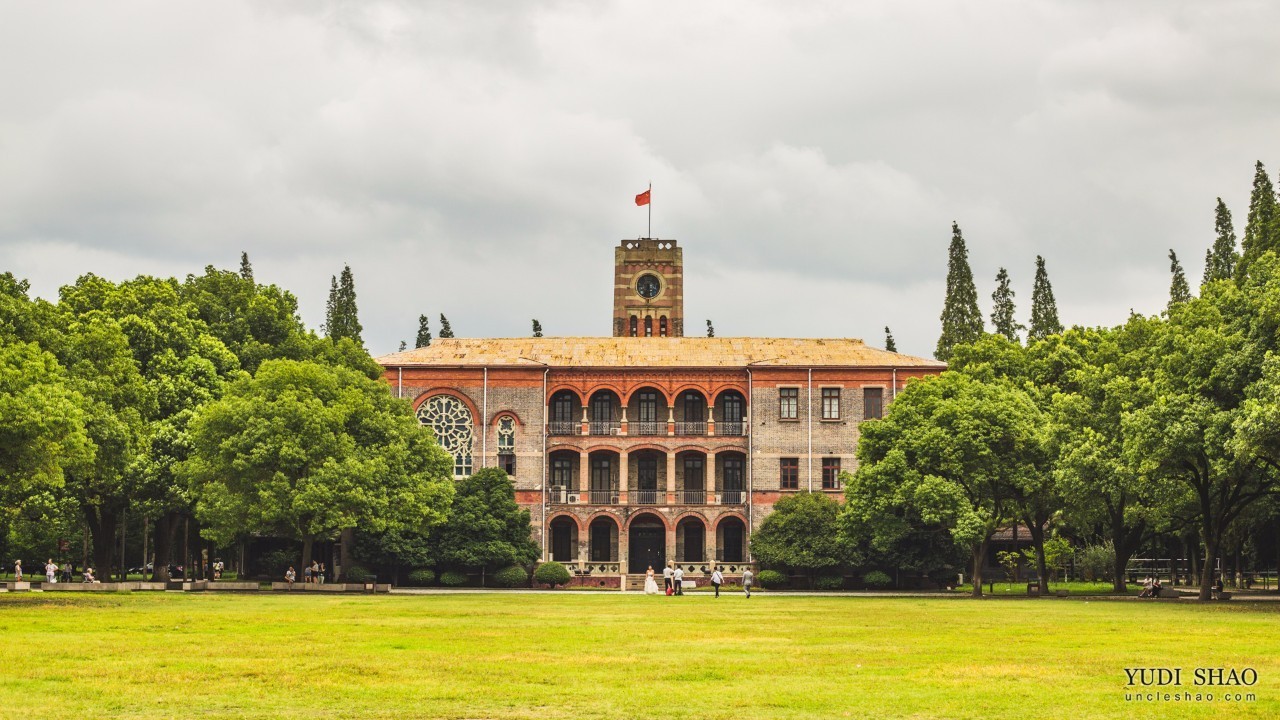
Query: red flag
643,198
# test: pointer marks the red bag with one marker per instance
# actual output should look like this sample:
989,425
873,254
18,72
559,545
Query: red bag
669,591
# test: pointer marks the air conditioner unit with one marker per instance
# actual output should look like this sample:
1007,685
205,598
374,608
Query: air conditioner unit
615,431
613,499
573,499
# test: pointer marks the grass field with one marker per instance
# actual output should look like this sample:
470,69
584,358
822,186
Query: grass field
610,655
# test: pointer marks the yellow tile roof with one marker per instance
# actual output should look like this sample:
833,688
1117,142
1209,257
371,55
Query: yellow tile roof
653,352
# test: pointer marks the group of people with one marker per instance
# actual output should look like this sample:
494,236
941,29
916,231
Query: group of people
313,573
52,573
1150,588
673,579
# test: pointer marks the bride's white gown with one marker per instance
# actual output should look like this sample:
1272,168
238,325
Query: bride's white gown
650,587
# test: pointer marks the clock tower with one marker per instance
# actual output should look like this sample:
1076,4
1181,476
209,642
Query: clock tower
648,289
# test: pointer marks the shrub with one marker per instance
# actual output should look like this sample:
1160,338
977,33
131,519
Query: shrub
551,573
358,574
1096,562
771,579
422,577
829,582
877,580
513,576
453,578
274,563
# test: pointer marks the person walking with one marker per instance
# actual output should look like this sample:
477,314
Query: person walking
50,571
747,577
678,578
666,578
716,580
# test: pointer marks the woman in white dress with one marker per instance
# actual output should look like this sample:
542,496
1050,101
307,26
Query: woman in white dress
650,586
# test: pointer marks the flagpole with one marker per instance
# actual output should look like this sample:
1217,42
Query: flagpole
650,191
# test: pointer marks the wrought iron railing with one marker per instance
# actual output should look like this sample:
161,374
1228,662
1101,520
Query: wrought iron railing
691,427
693,497
647,427
731,428
732,497
563,427
603,497
646,497
604,428
559,494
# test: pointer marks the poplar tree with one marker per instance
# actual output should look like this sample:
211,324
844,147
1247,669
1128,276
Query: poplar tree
1002,309
424,331
246,270
961,319
1260,228
711,329
537,328
1220,260
1044,309
341,316
889,344
445,330
1179,291
403,346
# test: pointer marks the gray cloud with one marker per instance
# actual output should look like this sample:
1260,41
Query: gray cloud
478,159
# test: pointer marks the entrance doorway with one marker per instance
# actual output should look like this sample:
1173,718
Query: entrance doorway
647,545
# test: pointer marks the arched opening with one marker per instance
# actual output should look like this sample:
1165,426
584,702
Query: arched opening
604,412
731,536
563,476
662,326
648,327
602,536
691,477
566,414
564,540
691,413
450,419
647,412
691,540
646,543
648,473
731,413
635,326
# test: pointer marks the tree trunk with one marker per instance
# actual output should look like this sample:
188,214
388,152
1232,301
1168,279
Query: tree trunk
346,544
1193,552
1037,539
1206,576
979,558
306,551
165,528
186,549
102,535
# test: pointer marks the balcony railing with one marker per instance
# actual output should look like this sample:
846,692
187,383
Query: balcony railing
646,497
647,428
603,497
691,427
559,494
693,497
732,497
563,427
605,428
731,428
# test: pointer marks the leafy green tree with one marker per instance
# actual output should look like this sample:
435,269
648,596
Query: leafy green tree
950,452
1220,260
1179,290
485,527
961,319
537,328
711,329
801,534
424,332
889,343
1044,309
306,450
341,315
1002,310
255,322
446,330
1259,229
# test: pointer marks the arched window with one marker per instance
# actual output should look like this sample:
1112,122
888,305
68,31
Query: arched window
662,326
507,444
635,326
450,419
648,327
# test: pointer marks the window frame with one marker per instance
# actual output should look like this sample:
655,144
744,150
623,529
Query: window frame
831,395
867,393
792,464
791,394
830,473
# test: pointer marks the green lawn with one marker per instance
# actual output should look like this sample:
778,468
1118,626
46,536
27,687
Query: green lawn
610,655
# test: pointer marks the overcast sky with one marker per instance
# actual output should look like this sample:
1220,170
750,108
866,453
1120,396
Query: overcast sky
481,159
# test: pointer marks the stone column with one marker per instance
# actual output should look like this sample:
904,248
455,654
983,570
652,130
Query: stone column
624,460
709,552
671,544
584,477
623,549
586,424
671,478
709,477
622,424
671,420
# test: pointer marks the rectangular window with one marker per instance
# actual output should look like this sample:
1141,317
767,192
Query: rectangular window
647,474
788,403
693,407
790,473
508,464
872,403
562,409
561,473
601,474
648,407
830,473
830,403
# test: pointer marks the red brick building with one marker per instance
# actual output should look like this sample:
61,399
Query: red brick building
648,447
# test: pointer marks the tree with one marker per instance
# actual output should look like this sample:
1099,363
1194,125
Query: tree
1179,290
307,451
949,453
424,332
961,319
889,343
341,316
1259,229
801,534
711,329
485,527
1002,309
1220,260
446,330
1044,309
403,346
537,328
246,270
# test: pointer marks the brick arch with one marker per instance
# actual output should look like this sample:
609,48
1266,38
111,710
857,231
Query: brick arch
720,451
700,389
452,392
597,387
506,413
740,389
626,399
602,448
564,447
731,514
617,521
565,514
557,389
690,448
649,446
631,520
706,524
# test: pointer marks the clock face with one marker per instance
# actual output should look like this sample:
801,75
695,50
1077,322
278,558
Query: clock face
648,286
